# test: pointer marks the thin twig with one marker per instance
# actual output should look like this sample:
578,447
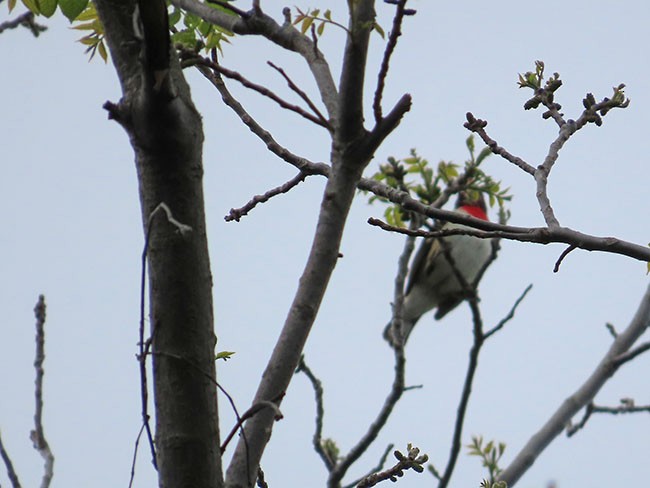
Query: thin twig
413,460
631,354
302,94
37,435
320,413
538,235
144,345
478,126
564,254
26,20
301,164
237,213
486,230
376,469
395,32
261,482
198,61
397,388
510,315
134,458
248,414
627,406
479,340
605,369
9,465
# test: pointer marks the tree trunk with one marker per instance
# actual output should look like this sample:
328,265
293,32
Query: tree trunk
166,133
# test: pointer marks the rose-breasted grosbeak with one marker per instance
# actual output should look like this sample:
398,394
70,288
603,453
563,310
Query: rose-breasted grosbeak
432,281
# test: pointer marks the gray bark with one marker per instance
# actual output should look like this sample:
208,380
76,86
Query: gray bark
166,133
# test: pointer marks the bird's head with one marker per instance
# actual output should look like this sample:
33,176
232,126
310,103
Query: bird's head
473,203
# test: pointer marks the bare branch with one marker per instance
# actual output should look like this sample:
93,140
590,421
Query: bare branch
398,385
11,471
325,123
37,435
396,391
25,20
257,22
395,32
633,353
510,315
301,164
320,413
248,414
238,213
461,412
191,59
134,458
582,396
487,230
376,469
478,126
564,254
411,461
627,406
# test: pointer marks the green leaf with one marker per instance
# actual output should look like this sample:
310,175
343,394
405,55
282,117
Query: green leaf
174,17
88,14
72,8
47,7
12,5
485,152
470,144
204,28
320,29
225,355
306,24
185,37
94,26
328,14
191,21
101,47
379,30
32,6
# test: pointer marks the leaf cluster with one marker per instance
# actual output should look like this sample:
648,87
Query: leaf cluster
493,484
70,8
415,175
490,455
313,18
196,34
95,39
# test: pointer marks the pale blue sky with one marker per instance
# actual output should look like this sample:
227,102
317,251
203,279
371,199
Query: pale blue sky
72,231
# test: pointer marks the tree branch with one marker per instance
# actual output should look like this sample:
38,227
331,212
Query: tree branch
626,406
238,213
303,95
37,435
398,385
191,59
581,397
395,32
9,465
25,20
257,22
488,230
317,440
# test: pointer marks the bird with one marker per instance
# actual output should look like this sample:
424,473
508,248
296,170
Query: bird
432,281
